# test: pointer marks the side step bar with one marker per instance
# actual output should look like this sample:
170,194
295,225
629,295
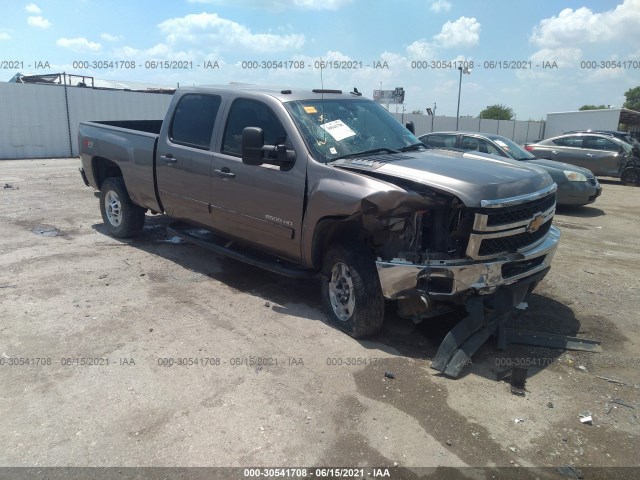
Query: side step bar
228,248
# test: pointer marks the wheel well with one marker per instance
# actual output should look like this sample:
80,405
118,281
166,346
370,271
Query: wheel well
104,168
332,230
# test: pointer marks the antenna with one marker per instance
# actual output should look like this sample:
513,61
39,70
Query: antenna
324,135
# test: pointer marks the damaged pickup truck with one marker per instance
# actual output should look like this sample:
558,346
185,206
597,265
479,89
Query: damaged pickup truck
320,182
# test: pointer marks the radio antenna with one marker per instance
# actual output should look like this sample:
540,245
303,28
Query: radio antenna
322,99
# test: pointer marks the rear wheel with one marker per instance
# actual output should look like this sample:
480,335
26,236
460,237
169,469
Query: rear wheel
122,218
351,290
631,176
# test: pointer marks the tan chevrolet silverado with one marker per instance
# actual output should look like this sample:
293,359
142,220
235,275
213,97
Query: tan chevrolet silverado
328,183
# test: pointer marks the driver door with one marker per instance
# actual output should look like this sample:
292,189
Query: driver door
261,204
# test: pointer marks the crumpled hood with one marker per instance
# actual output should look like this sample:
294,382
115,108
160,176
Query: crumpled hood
471,177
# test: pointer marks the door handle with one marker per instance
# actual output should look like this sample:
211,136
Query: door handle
589,154
224,173
555,152
168,158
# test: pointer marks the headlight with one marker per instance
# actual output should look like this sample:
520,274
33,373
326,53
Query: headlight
574,176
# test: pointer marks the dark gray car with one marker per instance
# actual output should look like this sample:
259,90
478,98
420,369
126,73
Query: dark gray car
576,186
602,154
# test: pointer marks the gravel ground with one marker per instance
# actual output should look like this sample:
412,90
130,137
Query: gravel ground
274,385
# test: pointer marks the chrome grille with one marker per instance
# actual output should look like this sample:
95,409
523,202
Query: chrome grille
500,231
511,243
507,215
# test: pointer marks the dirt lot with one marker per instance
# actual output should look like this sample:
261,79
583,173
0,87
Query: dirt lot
274,385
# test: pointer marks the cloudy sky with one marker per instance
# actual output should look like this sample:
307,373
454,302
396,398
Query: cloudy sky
592,47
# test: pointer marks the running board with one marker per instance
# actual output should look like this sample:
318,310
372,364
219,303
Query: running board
228,248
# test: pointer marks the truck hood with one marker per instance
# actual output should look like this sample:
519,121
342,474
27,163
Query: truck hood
472,177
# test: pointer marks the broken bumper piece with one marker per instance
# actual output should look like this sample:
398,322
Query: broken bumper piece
446,279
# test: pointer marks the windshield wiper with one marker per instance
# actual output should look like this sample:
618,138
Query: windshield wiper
366,153
415,146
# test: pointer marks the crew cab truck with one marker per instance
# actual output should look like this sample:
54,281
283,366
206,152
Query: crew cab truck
328,183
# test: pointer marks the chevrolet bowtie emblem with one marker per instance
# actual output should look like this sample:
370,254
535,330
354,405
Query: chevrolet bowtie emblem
536,223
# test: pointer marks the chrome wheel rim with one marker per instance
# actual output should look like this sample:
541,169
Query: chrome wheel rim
113,208
341,292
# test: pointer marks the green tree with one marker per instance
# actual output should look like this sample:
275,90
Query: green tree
632,99
497,112
593,107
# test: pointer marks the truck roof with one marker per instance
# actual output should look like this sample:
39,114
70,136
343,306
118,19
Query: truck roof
282,93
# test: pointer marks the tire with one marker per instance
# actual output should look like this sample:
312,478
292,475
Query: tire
631,176
122,218
351,292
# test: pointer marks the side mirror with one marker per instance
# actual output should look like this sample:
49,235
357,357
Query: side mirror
252,143
411,127
253,150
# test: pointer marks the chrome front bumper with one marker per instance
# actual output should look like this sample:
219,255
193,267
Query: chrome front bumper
448,278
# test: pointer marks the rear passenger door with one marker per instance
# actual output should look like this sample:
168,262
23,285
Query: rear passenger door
184,157
261,204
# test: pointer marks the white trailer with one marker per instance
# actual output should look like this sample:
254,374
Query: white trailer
561,122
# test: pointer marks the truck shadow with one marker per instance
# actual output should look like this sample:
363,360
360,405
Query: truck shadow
399,337
421,342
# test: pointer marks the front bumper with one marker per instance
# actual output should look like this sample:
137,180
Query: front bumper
578,193
448,279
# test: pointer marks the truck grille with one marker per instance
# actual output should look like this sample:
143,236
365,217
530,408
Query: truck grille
517,213
499,231
511,243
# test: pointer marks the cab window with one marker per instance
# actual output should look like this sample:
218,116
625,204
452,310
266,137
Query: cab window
249,113
193,120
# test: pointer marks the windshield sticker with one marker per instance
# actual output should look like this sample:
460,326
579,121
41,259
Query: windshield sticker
310,109
333,151
338,130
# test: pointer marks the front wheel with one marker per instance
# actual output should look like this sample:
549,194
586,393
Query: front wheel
631,176
351,291
122,218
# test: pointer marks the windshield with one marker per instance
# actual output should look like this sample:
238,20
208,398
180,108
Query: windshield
513,150
348,127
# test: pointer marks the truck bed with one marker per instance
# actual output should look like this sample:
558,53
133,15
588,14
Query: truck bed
130,144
